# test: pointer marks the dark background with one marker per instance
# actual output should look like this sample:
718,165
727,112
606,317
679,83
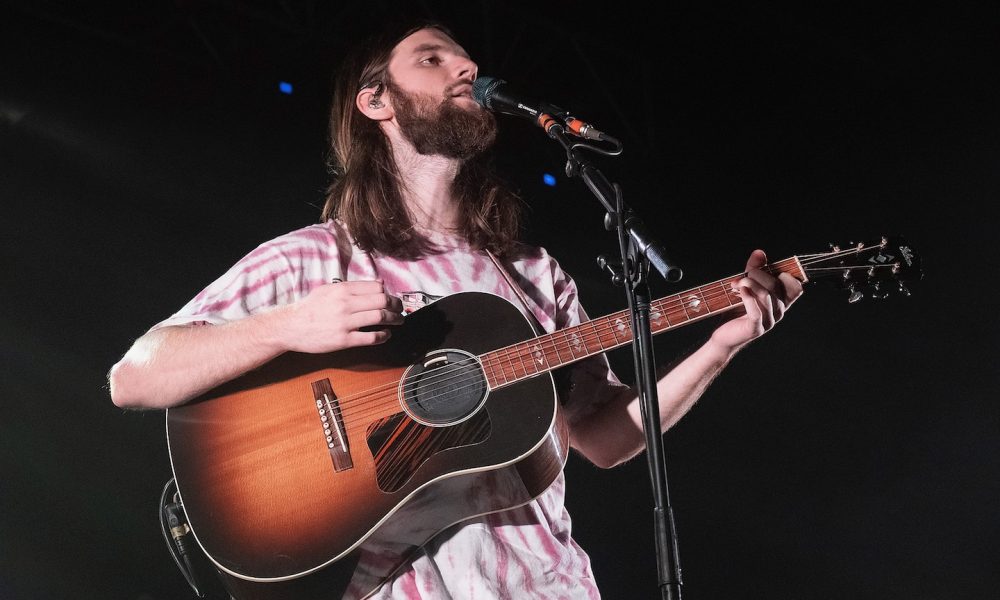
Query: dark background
851,453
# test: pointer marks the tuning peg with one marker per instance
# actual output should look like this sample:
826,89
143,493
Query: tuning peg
903,289
878,292
612,268
855,294
835,247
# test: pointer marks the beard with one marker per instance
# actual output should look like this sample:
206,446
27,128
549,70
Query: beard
443,128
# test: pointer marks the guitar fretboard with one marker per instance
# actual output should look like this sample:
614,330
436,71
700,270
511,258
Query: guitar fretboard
511,364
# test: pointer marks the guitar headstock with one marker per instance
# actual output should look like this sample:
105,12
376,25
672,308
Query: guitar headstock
875,270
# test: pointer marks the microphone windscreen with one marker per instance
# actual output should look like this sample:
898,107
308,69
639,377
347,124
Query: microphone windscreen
483,88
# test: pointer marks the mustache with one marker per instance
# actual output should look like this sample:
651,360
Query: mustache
450,90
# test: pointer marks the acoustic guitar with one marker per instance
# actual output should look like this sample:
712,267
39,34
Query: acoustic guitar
309,463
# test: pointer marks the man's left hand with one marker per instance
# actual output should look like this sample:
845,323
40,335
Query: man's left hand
765,298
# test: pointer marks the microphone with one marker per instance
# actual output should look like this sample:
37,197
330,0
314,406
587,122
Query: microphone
496,95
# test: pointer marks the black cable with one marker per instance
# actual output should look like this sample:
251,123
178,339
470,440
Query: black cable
612,152
173,525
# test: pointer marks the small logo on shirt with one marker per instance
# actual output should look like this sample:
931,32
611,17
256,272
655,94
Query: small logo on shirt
414,300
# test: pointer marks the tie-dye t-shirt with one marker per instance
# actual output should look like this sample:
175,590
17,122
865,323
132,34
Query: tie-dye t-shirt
525,552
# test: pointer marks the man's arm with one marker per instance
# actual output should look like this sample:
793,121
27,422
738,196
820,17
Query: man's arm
614,433
172,365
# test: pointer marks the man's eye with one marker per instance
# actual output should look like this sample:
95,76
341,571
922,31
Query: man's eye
430,60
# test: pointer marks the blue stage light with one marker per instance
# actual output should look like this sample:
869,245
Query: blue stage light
549,180
285,87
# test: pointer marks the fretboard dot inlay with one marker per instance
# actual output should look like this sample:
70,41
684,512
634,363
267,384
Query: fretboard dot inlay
538,354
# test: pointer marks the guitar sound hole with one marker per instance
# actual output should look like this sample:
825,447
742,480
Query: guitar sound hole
448,387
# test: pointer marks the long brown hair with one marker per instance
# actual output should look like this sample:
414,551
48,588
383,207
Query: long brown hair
365,192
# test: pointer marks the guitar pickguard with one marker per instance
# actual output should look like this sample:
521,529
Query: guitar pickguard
399,445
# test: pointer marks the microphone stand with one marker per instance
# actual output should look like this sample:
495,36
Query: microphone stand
638,250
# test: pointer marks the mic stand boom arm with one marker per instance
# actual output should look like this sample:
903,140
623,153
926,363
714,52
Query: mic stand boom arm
638,250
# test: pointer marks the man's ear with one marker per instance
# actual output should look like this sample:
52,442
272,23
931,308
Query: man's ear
372,103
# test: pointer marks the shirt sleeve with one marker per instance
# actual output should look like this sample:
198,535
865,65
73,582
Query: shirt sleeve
275,273
587,385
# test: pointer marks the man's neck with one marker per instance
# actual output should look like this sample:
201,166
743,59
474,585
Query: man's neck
426,185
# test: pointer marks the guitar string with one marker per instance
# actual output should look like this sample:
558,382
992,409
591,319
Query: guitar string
669,304
399,468
467,374
663,305
461,370
465,368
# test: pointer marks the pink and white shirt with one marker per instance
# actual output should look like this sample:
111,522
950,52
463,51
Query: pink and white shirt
525,552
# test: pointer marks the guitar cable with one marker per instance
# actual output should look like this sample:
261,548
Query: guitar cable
173,525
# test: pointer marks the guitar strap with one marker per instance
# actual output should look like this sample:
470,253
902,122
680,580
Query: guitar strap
513,285
561,378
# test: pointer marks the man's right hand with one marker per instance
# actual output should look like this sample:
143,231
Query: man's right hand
337,316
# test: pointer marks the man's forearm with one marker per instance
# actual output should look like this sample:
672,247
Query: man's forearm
172,365
614,434
684,384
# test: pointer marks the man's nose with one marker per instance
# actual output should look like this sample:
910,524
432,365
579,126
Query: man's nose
465,68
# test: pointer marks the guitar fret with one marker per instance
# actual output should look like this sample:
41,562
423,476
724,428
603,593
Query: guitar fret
717,301
573,339
522,351
687,316
656,317
498,362
691,300
614,332
513,364
488,362
674,311
705,308
499,365
732,296
559,357
598,334
544,353
622,325
507,367
555,346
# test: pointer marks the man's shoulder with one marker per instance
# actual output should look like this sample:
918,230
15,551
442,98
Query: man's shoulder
535,263
319,241
329,234
532,257
527,253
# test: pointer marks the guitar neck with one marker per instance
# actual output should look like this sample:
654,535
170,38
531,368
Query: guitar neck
508,365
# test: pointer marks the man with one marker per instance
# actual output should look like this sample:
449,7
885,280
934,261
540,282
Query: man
414,215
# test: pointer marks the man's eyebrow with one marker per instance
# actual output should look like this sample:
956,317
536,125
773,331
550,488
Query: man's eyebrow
428,47
435,47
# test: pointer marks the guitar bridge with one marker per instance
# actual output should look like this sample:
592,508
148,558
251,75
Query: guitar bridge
333,425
